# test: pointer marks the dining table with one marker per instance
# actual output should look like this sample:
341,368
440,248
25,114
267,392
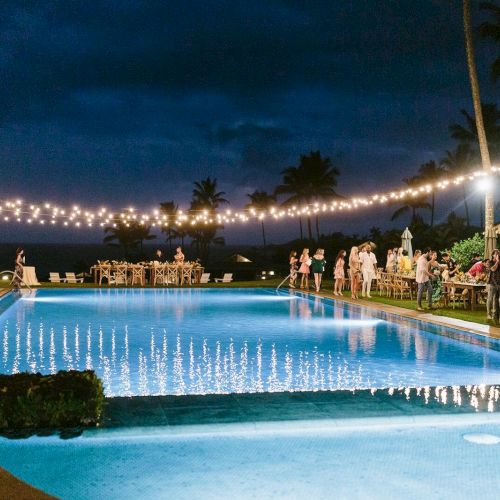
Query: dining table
474,290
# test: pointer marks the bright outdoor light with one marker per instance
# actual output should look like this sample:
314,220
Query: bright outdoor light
484,183
5,277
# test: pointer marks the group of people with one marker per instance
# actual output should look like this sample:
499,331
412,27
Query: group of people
178,257
362,270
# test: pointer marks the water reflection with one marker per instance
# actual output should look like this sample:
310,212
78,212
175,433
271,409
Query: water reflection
178,365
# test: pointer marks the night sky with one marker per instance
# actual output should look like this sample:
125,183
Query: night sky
128,102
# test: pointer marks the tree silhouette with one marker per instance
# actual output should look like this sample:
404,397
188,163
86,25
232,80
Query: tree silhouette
206,198
460,162
261,201
411,204
170,210
467,134
313,180
128,235
430,172
491,30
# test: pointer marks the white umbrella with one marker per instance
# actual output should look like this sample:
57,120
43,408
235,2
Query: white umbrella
406,238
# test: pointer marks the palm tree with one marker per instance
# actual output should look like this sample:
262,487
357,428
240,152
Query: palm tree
170,210
261,201
491,30
206,198
313,180
468,133
481,134
128,236
459,162
429,172
411,204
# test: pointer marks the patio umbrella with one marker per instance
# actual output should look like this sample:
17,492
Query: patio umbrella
406,238
490,236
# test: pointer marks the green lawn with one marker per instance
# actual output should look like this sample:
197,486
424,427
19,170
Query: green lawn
478,316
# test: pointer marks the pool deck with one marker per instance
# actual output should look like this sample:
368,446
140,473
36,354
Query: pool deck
469,326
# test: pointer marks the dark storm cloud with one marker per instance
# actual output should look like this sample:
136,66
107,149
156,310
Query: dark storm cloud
156,93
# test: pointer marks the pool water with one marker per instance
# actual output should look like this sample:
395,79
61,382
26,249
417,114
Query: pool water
199,341
411,462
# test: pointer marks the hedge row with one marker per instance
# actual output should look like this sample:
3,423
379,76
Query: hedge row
35,401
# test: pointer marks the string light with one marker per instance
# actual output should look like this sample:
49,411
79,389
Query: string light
76,216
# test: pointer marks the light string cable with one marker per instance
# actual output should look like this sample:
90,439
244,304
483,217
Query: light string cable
51,214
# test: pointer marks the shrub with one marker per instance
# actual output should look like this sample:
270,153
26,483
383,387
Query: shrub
35,401
464,250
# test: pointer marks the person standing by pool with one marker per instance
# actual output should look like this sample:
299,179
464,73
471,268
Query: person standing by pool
18,268
423,279
339,273
405,263
416,256
304,269
354,271
318,267
369,269
494,291
389,265
293,268
435,268
179,256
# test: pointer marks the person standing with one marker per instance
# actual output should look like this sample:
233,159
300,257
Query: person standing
293,268
354,271
159,255
318,267
18,269
405,263
423,277
389,265
416,256
494,289
369,270
179,256
304,269
339,273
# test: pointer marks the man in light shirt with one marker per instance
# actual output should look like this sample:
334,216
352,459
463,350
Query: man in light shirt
423,278
368,269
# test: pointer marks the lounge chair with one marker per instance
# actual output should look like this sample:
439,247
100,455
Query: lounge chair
71,278
227,278
205,278
55,278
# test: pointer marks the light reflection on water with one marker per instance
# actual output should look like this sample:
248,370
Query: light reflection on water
149,342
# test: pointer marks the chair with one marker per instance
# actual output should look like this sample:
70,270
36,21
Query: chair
172,274
104,271
137,275
71,278
159,277
119,277
186,274
55,278
227,278
205,278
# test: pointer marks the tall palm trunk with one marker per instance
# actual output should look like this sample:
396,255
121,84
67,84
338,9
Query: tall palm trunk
263,233
476,98
433,202
466,206
309,228
317,227
301,230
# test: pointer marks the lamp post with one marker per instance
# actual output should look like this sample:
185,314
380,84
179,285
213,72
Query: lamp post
489,232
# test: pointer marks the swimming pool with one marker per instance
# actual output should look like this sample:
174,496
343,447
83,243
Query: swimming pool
200,341
302,460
